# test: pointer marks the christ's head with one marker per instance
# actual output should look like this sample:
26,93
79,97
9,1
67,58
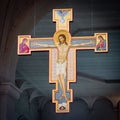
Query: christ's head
62,39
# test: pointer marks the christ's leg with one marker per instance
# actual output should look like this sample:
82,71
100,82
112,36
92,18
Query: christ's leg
64,86
61,77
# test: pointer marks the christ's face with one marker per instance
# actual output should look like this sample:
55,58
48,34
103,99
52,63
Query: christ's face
61,39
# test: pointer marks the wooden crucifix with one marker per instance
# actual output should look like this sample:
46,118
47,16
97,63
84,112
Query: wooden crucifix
62,55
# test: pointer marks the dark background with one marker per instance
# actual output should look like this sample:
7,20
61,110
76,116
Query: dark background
97,89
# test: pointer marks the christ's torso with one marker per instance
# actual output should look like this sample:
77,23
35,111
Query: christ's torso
62,53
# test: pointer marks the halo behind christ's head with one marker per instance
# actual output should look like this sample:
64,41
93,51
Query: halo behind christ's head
62,32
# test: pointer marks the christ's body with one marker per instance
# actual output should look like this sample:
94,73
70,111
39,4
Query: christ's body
61,63
61,70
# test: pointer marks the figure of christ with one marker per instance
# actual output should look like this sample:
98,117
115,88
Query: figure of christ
61,63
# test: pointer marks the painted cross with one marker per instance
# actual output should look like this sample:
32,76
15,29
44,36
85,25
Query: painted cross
62,55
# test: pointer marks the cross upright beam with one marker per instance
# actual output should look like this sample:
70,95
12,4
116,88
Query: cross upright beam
62,55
